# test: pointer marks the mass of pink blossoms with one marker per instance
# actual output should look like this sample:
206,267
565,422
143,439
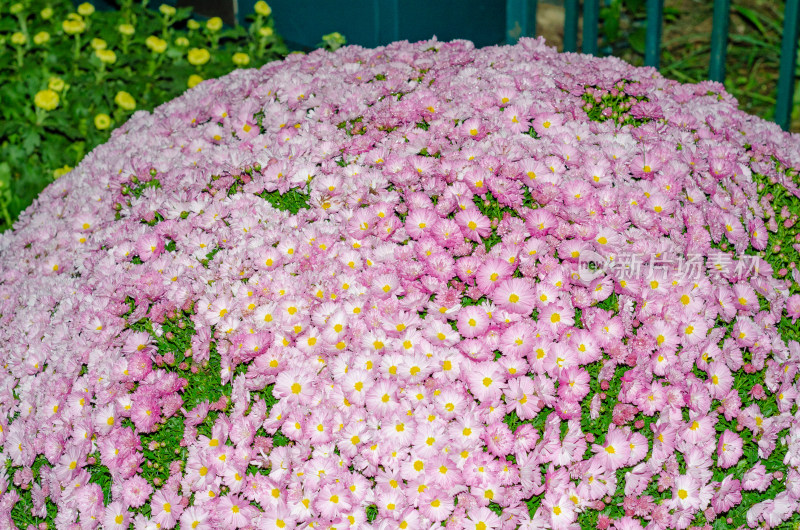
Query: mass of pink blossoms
429,299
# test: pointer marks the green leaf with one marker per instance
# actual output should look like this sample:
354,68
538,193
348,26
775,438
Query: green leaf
637,39
751,16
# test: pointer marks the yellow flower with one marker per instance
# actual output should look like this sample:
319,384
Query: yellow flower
86,9
18,38
102,121
126,29
46,99
194,80
265,31
262,8
198,56
156,44
125,100
192,24
98,44
240,59
166,10
73,26
106,56
41,38
55,83
214,24
46,13
16,8
58,172
182,42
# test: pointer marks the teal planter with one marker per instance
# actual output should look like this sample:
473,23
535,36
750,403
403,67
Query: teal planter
370,23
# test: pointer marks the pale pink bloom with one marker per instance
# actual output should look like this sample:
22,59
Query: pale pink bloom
727,494
685,492
472,321
482,518
116,516
498,439
793,307
756,478
615,451
729,449
515,295
166,507
486,381
295,386
474,225
234,511
573,383
720,379
196,518
491,273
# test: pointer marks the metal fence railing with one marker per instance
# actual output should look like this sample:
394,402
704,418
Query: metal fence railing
521,14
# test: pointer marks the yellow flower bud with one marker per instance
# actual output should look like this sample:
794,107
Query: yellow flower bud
86,9
106,56
156,44
194,80
192,24
18,38
73,26
240,59
265,31
102,121
198,56
46,99
125,100
263,9
55,83
41,38
126,29
182,42
214,24
61,171
98,44
167,10
16,8
46,13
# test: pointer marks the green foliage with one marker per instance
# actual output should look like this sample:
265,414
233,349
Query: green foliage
151,61
333,41
291,201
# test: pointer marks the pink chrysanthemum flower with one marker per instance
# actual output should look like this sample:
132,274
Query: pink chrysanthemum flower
486,381
166,508
197,518
499,439
472,321
615,452
729,449
514,295
482,518
685,492
474,225
234,511
793,307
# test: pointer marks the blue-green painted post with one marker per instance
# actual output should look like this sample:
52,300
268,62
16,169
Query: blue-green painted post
655,23
719,40
520,19
591,20
571,25
783,107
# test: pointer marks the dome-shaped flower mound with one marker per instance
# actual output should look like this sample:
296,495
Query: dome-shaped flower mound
425,283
